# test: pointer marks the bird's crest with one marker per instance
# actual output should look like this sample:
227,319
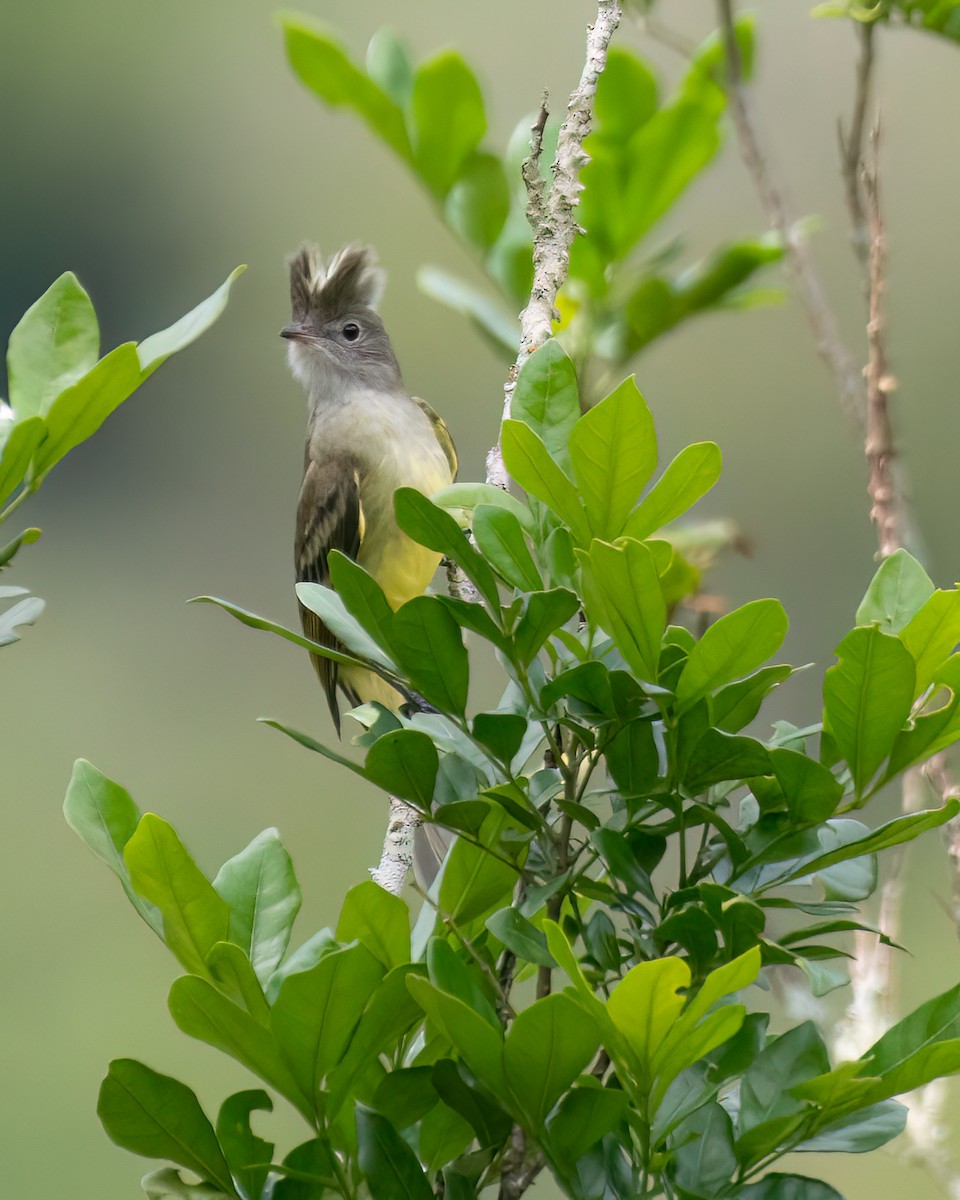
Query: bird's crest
352,279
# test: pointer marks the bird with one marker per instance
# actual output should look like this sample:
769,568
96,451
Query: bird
366,437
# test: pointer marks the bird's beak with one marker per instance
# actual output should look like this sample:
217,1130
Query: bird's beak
295,333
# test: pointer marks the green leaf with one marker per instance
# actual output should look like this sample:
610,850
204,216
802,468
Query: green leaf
18,450
626,97
795,1056
892,833
698,1031
478,202
80,410
633,759
812,793
27,538
613,449
710,55
897,592
388,65
405,1094
788,1187
466,497
377,919
528,461
389,1166
388,1016
689,476
156,349
363,597
544,613
519,935
721,756
644,1006
323,65
932,634
477,1042
547,398
56,343
547,1047
231,971
201,1012
167,1184
447,119
736,705
248,1155
474,881
316,1012
459,1091
502,732
159,1117
309,743
860,1131
431,651
436,529
252,621
404,763
622,594
332,611
307,1173
733,646
662,302
501,540
704,1157
105,817
453,975
589,683
261,889
195,918
583,1116
867,698
666,155
486,312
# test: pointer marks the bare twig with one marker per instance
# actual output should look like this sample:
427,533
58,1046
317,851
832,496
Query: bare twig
552,213
852,147
826,331
886,501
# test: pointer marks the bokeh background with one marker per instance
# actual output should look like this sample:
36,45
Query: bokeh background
150,148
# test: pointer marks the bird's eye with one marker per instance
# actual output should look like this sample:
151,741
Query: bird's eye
351,331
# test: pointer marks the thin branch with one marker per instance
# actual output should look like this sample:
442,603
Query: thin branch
826,330
852,147
552,212
887,506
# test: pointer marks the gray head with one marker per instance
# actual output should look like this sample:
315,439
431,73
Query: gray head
336,338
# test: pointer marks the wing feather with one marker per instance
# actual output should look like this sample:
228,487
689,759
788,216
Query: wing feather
329,517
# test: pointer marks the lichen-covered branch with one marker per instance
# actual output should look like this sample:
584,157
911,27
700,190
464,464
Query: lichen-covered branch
397,855
552,212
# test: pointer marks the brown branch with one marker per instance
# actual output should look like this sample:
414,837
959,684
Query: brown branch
852,147
552,212
886,502
826,330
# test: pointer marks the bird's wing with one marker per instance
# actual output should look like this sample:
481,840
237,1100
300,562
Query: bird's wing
442,434
329,517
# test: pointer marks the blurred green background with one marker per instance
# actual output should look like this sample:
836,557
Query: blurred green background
150,148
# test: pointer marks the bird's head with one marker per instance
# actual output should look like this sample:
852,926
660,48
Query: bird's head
337,340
